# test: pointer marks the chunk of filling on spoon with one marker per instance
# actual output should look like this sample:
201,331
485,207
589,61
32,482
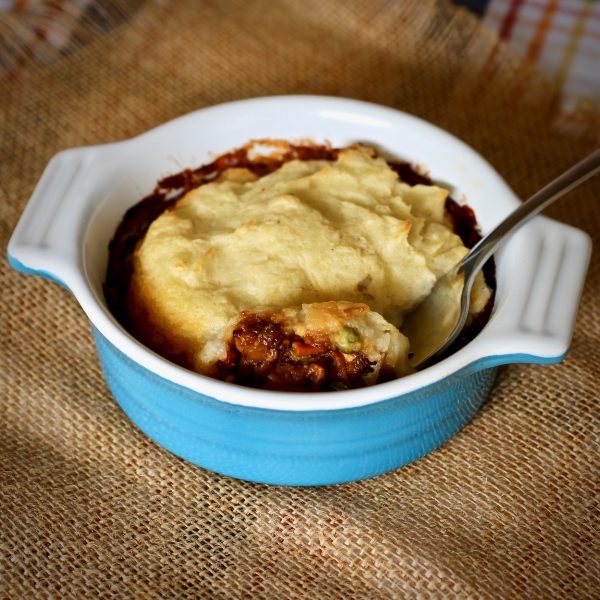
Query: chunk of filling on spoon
298,280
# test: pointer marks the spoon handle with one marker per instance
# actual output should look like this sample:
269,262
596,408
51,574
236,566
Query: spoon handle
546,196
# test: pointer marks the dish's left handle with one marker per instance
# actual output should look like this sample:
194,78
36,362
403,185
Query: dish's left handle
49,234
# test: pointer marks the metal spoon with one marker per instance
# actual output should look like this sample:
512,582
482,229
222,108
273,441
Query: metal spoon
431,327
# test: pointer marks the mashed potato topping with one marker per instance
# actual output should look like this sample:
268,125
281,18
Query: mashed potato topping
311,232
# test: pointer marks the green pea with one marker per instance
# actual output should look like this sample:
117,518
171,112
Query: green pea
346,340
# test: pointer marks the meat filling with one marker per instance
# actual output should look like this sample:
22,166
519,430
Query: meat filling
262,355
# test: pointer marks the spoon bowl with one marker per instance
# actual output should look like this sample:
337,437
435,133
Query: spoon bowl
440,318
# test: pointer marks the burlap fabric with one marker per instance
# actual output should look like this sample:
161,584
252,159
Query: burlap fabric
91,507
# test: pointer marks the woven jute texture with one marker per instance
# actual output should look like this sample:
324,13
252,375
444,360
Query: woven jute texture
90,507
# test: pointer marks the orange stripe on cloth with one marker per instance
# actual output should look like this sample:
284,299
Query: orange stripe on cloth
510,19
537,43
494,59
573,43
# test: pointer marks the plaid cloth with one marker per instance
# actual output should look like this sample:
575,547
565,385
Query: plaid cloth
561,36
51,22
38,32
15,4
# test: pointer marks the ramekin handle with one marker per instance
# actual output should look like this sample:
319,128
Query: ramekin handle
49,234
534,316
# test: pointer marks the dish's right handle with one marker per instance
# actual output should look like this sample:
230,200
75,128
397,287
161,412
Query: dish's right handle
534,316
48,237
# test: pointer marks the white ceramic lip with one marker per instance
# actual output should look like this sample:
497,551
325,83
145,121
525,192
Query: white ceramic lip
540,271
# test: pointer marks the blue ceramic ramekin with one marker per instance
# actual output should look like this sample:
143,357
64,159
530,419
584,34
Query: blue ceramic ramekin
286,438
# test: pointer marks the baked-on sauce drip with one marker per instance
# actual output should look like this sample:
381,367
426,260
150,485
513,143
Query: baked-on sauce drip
261,355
